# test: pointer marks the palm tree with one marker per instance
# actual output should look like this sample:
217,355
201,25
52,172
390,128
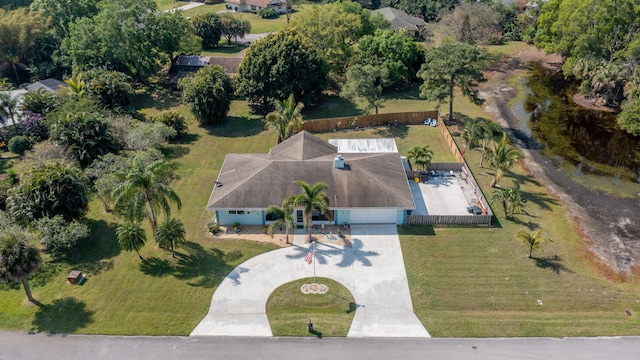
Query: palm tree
313,198
487,129
18,261
511,200
420,156
283,216
170,235
532,239
144,192
131,236
9,107
502,157
286,118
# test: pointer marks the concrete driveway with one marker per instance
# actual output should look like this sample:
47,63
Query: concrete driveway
372,269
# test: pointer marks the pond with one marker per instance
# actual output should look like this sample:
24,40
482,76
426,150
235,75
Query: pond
589,141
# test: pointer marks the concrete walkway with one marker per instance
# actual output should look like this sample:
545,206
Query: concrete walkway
372,269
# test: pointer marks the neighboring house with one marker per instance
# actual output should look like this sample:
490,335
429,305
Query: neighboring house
400,19
50,85
186,65
366,181
254,5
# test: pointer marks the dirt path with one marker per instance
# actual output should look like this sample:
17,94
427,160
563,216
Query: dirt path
610,225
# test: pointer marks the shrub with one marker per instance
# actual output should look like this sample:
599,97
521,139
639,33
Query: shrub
34,126
60,237
267,13
19,144
236,226
214,228
144,136
174,120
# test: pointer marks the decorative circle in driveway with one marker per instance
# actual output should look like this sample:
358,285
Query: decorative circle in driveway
314,289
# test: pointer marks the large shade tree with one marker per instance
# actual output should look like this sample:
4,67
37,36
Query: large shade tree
281,64
286,118
312,199
449,66
208,27
366,82
18,260
144,192
208,94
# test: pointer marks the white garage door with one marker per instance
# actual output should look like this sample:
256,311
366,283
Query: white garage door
373,216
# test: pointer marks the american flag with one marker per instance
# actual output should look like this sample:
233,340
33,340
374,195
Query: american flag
309,257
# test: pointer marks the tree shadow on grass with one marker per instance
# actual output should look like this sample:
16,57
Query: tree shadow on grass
156,267
62,316
400,131
173,151
529,224
522,178
543,200
237,126
202,267
189,138
95,254
553,263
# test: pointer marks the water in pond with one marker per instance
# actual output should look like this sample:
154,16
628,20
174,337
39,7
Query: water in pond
590,140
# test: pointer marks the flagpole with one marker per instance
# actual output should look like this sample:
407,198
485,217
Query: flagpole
313,258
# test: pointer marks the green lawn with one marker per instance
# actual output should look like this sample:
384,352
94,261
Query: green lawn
225,50
289,309
204,9
170,4
463,281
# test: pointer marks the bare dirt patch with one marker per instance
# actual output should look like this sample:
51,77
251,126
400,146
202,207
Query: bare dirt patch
609,224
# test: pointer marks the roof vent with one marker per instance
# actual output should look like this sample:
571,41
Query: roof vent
338,162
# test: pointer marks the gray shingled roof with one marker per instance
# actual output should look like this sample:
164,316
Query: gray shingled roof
255,181
400,19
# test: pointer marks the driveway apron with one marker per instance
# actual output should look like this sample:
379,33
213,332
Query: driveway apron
372,269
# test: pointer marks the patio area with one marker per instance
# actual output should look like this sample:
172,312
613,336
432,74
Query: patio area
442,195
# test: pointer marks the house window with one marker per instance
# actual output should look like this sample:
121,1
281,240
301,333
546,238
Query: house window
270,217
316,216
236,212
253,7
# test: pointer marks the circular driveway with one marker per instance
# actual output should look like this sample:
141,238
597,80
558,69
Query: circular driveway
372,269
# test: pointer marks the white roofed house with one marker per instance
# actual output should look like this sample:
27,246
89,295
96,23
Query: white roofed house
366,181
254,5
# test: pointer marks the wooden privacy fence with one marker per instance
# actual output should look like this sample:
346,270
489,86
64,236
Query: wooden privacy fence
449,219
362,121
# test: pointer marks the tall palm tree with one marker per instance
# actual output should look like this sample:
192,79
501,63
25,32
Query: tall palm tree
286,118
511,200
18,261
144,192
131,237
533,240
171,234
313,198
283,216
502,157
420,156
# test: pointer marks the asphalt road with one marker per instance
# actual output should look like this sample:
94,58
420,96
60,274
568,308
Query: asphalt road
18,346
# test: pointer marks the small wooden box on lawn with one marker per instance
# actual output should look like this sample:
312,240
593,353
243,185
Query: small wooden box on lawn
75,277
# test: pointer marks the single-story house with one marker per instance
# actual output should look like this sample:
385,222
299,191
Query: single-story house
400,19
366,181
254,5
187,64
50,85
